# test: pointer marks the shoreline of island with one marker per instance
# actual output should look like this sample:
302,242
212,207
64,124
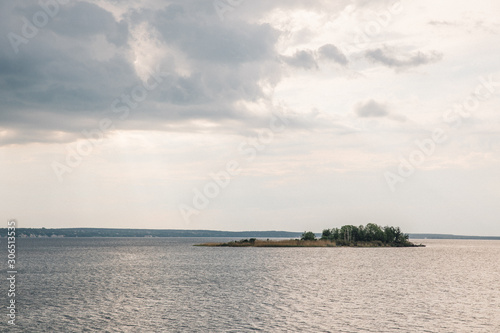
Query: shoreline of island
252,242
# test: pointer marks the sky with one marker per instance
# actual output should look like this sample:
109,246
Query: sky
251,115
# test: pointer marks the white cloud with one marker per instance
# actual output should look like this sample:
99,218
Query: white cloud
387,57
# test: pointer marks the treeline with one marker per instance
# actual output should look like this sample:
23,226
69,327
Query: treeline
351,234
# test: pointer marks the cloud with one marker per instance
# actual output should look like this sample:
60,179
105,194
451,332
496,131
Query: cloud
210,39
441,22
389,58
301,59
66,78
84,20
308,59
374,109
331,52
371,109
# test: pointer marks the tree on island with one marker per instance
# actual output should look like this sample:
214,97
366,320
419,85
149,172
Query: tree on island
349,234
308,235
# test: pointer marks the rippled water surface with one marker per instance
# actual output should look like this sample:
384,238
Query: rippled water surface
168,285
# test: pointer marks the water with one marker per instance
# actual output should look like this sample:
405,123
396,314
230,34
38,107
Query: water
168,285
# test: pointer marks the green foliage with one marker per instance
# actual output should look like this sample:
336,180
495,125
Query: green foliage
308,235
326,234
350,234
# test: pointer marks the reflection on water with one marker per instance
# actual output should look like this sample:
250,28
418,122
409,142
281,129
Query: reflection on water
167,285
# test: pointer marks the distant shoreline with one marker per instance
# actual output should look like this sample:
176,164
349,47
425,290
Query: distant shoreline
110,232
449,236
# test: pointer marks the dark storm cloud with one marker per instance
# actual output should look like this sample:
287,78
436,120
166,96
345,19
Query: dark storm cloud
67,76
54,83
83,19
211,40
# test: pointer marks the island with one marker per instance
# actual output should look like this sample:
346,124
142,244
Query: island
371,235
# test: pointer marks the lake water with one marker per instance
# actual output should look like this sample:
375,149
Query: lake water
168,285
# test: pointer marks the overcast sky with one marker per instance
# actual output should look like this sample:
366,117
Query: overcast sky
251,115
